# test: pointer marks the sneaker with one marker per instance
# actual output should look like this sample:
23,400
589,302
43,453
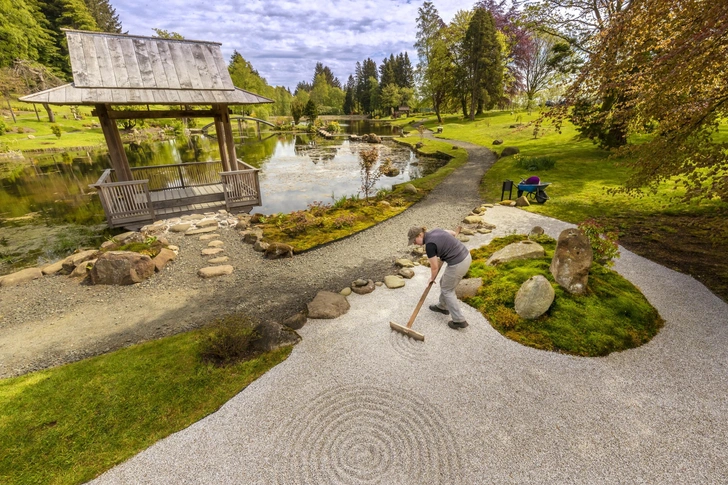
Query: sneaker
457,325
436,308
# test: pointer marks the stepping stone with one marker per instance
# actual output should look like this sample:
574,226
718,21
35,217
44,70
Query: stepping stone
207,223
215,244
213,271
211,251
204,230
393,281
207,237
222,259
180,227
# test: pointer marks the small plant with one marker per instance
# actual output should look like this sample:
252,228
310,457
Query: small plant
56,130
318,208
228,340
333,127
534,163
347,220
3,127
604,243
369,175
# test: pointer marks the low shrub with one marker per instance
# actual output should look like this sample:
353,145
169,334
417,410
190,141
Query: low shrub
603,242
333,127
228,340
3,127
535,163
56,130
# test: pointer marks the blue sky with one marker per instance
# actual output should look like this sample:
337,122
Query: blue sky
284,39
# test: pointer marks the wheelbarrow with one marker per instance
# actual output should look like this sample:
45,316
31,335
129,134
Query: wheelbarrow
533,188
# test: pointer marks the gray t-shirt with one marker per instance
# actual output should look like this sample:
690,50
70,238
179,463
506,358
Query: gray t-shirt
446,246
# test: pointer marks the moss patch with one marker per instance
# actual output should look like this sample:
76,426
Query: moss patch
612,316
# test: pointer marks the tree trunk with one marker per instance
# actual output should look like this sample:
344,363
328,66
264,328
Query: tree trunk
51,115
11,110
464,104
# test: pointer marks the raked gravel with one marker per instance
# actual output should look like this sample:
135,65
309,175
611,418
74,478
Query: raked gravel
357,403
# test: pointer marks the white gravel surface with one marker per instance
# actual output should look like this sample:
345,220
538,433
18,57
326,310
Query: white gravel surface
357,403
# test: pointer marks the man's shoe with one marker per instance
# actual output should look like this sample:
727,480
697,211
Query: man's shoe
436,308
457,325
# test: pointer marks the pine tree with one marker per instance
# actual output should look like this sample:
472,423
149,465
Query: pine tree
482,61
105,15
22,36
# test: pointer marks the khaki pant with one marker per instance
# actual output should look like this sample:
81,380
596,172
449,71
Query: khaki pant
449,281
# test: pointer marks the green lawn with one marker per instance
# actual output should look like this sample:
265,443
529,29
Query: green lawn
68,424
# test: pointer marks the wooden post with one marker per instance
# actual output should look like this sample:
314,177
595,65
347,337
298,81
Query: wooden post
232,156
12,113
221,143
257,128
115,145
36,111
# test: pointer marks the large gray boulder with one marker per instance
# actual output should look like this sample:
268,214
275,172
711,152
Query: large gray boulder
468,287
328,305
572,260
272,335
122,268
534,297
508,151
515,251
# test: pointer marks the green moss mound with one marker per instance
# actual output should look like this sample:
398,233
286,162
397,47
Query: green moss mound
612,316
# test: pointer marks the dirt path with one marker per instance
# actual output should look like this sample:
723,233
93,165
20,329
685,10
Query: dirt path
56,320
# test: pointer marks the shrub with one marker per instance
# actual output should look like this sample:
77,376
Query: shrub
369,175
318,208
347,220
604,243
3,127
333,127
56,130
535,163
228,340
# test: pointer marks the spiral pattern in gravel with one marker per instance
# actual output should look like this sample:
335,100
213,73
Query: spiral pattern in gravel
366,435
407,347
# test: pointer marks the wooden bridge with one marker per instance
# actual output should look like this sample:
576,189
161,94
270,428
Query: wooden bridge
240,119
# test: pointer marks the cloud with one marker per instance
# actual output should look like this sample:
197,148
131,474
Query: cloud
284,39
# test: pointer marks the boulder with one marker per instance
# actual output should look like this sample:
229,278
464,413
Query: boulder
468,288
165,256
372,138
407,273
296,321
522,201
534,297
278,250
53,268
213,271
404,263
536,231
260,246
70,263
410,189
21,276
82,269
393,281
368,287
251,236
571,262
121,268
508,151
272,335
328,305
497,142
515,251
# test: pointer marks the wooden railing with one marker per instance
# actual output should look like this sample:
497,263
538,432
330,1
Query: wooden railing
124,202
180,175
241,187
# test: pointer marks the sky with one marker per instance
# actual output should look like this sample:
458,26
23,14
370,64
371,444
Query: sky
284,39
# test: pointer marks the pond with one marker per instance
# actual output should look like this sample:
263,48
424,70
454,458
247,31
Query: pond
295,171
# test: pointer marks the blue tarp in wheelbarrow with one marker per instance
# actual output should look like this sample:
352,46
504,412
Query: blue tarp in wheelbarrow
534,188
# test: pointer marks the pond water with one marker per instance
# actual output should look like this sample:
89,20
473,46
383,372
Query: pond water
295,170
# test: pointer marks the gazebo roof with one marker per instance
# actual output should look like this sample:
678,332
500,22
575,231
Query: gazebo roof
127,69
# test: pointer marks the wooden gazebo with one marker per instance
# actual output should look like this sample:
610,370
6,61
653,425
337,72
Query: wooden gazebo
111,70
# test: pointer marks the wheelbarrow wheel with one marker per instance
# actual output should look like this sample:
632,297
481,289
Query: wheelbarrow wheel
541,196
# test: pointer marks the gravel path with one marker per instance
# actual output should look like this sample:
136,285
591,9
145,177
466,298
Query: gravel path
55,320
357,403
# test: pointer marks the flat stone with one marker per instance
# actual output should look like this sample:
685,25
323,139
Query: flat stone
174,248
346,291
213,271
515,251
82,269
406,273
484,231
165,256
404,263
21,276
52,268
473,220
211,251
204,230
393,281
207,237
70,263
220,260
215,244
207,223
180,227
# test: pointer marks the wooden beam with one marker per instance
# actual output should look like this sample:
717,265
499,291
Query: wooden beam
230,141
221,142
114,143
178,113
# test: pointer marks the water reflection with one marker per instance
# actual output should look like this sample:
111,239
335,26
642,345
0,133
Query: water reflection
295,170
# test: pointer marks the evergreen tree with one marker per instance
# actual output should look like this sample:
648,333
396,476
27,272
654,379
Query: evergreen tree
349,101
434,64
22,36
387,71
105,15
482,61
331,80
303,86
365,73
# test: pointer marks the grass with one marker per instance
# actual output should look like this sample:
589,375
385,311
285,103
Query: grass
322,224
612,316
68,424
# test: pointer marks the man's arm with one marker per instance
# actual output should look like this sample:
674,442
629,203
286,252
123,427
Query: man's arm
434,267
